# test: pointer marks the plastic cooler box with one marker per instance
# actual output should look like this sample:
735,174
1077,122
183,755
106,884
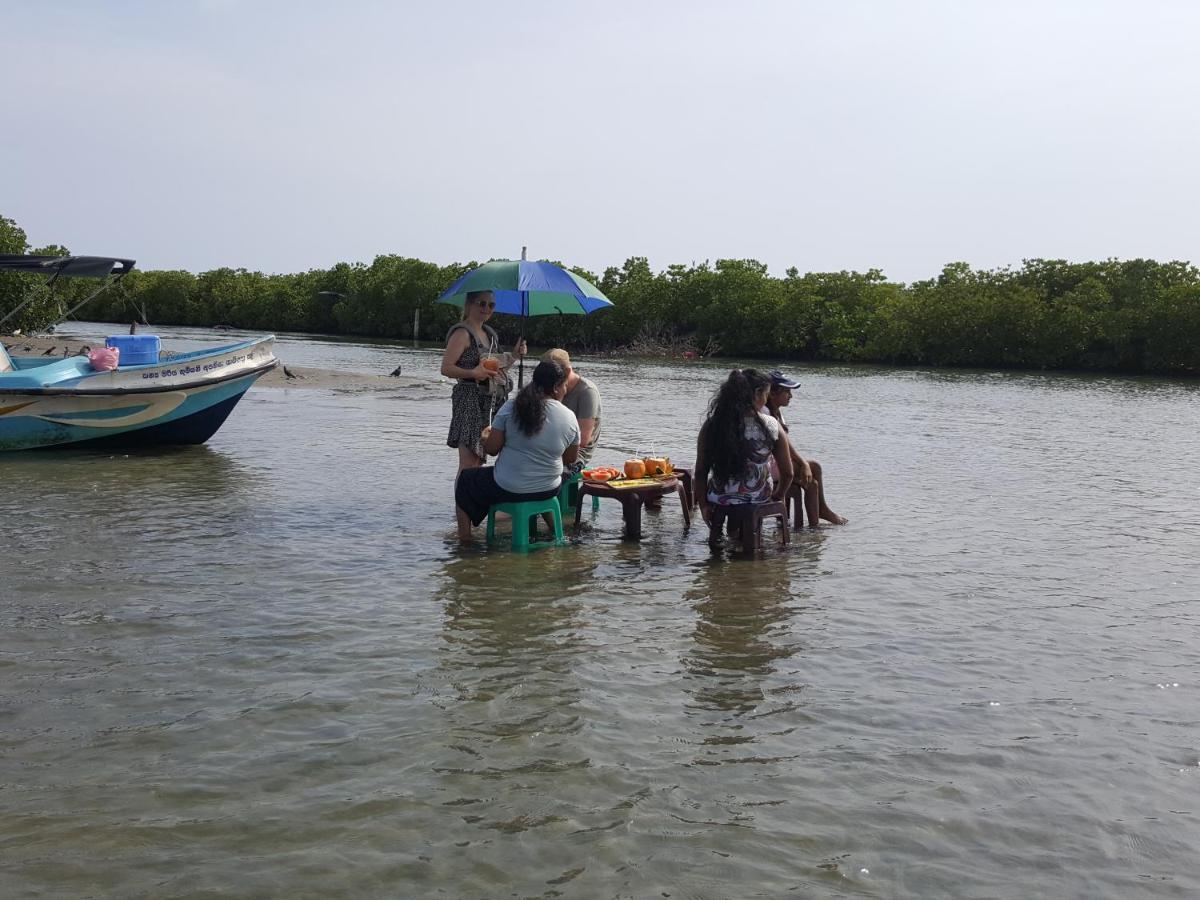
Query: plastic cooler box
136,349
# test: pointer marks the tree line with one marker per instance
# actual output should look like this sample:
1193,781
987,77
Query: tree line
1118,315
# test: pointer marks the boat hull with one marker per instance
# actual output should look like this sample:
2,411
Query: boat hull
139,406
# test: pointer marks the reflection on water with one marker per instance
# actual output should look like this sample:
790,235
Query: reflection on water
263,667
509,625
198,472
510,644
98,518
744,626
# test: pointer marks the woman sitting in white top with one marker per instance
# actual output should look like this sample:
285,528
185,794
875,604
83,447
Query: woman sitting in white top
810,477
535,436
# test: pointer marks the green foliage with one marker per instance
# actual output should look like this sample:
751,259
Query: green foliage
1134,315
12,237
383,297
16,289
13,287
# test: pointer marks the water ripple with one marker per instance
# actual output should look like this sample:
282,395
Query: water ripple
264,667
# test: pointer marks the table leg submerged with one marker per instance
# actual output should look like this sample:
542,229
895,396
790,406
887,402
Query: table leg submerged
685,501
684,474
631,512
632,502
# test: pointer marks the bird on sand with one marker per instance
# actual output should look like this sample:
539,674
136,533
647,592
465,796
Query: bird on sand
395,373
288,373
50,351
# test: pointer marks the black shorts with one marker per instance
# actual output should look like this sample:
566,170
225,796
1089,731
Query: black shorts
476,492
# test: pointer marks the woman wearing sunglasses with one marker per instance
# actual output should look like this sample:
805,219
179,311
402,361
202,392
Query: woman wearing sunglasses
480,390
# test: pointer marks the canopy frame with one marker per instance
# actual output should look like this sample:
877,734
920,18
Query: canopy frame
109,268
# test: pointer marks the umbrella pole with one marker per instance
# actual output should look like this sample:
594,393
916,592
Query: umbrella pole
521,364
524,315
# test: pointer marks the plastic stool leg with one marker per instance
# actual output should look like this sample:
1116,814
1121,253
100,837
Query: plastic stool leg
520,531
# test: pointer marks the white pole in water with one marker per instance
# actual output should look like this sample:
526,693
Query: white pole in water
416,325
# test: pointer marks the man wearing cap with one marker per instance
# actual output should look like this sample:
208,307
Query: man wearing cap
810,478
583,399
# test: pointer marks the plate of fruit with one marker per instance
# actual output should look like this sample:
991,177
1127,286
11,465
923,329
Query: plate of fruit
601,473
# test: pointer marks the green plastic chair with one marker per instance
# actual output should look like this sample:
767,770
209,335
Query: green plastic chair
568,494
523,515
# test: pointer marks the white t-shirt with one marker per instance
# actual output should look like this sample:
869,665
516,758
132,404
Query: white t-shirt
755,485
532,464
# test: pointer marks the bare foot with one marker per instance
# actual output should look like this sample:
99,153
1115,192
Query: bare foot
833,518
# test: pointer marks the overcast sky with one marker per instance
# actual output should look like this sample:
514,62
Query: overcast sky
283,135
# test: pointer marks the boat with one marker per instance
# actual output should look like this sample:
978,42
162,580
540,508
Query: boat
174,399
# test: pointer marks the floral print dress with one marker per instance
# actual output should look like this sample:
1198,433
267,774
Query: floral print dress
755,484
470,400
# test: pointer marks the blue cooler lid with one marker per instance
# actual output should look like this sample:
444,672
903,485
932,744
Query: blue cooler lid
143,342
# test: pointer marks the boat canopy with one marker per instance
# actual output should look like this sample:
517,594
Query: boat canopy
66,266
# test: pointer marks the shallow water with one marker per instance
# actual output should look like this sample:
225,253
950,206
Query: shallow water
262,667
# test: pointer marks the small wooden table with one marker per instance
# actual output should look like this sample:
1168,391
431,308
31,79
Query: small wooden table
633,498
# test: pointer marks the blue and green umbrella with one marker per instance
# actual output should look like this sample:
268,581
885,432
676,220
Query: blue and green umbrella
529,288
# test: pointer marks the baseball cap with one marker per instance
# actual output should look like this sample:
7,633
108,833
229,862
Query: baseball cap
779,380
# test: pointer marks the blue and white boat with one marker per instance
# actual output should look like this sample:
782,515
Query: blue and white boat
182,399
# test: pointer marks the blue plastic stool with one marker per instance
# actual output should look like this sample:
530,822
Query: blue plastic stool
568,494
522,514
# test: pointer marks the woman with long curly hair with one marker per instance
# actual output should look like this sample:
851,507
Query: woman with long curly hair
737,443
535,436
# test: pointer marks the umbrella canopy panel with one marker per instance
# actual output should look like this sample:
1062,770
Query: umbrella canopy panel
529,288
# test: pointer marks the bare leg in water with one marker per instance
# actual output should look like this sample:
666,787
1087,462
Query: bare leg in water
466,460
464,526
815,506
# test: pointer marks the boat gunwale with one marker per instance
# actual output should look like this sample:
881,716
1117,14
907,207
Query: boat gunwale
149,389
207,351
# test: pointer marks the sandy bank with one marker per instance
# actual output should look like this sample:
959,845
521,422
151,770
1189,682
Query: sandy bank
280,377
